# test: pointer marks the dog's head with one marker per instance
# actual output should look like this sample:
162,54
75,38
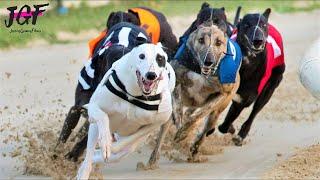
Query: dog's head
148,61
208,44
217,16
119,16
253,31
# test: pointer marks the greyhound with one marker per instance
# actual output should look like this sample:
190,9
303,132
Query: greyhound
205,85
218,17
132,100
154,25
261,72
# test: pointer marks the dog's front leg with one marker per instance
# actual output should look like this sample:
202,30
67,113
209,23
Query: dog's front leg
126,145
153,161
177,106
96,115
211,122
197,115
86,166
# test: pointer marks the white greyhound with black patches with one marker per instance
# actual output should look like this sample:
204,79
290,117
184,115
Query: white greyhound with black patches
132,100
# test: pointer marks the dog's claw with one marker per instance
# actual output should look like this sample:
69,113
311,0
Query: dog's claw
237,140
105,140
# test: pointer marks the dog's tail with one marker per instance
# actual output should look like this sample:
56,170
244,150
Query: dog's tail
236,18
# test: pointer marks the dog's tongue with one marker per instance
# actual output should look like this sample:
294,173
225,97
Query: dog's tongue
147,85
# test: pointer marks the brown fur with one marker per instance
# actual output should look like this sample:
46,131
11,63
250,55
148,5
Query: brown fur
203,95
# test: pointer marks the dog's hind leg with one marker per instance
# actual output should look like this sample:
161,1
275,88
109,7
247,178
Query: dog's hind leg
86,166
82,97
132,139
70,123
210,124
153,161
125,145
261,101
81,145
77,149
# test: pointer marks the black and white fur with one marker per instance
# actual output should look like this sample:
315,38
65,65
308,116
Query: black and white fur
143,72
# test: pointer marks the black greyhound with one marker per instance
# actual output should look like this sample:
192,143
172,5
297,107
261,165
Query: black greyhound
218,17
252,38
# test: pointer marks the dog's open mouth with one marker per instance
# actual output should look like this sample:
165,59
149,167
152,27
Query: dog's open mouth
206,70
146,86
259,49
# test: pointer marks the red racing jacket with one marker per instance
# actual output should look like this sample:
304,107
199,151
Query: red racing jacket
275,54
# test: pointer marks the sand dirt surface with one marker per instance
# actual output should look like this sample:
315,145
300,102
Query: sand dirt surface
37,88
304,164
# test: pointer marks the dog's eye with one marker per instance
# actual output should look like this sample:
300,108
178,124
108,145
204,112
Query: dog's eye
215,21
201,40
218,43
142,56
161,60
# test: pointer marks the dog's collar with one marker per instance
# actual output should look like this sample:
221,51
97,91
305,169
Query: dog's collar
150,103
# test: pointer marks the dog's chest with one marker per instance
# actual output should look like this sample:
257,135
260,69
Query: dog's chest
126,118
199,88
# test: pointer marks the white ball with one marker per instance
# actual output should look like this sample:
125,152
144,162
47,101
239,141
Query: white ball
309,70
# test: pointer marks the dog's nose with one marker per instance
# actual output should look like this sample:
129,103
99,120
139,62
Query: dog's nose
151,76
208,63
257,43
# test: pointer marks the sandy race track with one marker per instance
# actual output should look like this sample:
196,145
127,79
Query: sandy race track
37,88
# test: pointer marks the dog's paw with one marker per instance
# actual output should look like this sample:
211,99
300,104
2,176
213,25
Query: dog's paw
71,156
211,131
142,167
237,140
197,159
84,171
105,142
231,130
225,130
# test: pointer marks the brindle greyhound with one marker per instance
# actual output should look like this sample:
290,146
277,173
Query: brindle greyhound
200,85
257,40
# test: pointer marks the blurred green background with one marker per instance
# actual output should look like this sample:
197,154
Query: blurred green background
86,15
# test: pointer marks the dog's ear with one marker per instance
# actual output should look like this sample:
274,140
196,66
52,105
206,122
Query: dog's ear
205,5
238,24
141,40
266,13
109,23
223,9
135,18
159,44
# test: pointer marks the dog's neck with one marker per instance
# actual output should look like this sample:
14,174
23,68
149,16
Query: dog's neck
251,63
